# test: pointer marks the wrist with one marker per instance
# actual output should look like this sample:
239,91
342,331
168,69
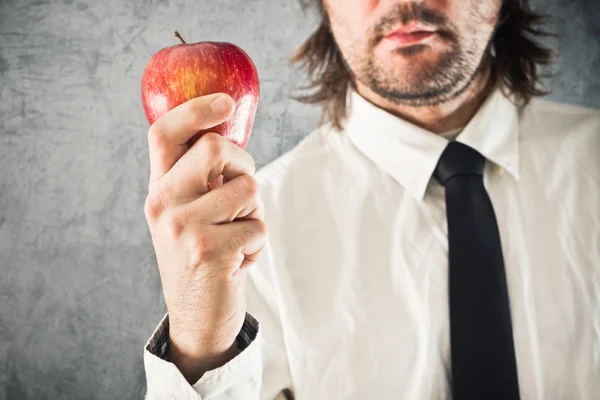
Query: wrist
194,361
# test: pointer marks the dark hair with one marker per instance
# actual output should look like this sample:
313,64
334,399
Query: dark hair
519,54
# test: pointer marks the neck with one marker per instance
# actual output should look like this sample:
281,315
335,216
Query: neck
439,118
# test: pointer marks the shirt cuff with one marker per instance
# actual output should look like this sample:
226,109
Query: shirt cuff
158,344
241,376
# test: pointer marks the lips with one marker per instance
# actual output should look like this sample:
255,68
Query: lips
408,38
410,33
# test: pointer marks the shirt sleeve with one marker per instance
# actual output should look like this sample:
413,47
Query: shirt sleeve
239,378
259,372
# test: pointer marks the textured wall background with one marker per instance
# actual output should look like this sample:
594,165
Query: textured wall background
79,291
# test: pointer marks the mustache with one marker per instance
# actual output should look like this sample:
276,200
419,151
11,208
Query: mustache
405,13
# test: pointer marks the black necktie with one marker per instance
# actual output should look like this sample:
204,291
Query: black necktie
481,342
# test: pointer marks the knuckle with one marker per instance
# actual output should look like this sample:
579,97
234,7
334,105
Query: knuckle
204,247
174,225
156,135
153,207
158,200
260,228
213,143
250,185
254,230
193,111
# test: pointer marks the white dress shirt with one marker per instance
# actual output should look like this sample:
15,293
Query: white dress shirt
351,291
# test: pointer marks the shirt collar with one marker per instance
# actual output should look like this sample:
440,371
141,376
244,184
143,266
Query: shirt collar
409,154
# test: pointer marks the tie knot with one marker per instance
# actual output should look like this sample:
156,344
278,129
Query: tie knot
458,159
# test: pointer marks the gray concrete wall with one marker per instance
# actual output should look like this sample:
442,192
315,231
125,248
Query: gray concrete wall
79,289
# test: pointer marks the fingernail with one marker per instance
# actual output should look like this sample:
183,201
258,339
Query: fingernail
220,105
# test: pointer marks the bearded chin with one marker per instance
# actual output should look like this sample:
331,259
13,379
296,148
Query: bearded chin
430,85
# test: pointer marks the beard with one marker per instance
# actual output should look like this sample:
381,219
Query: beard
423,83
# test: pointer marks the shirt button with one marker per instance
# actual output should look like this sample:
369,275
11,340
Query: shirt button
499,170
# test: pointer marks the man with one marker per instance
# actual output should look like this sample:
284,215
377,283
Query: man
438,238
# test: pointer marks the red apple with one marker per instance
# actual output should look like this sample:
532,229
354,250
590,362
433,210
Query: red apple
187,70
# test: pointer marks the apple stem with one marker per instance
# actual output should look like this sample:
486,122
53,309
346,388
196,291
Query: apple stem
178,36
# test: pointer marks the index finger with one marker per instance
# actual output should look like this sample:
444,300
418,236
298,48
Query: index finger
168,136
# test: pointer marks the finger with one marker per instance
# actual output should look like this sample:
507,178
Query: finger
250,259
211,156
168,136
246,237
238,199
241,237
215,183
231,244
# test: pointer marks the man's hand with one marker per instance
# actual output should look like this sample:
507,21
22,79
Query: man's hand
204,239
